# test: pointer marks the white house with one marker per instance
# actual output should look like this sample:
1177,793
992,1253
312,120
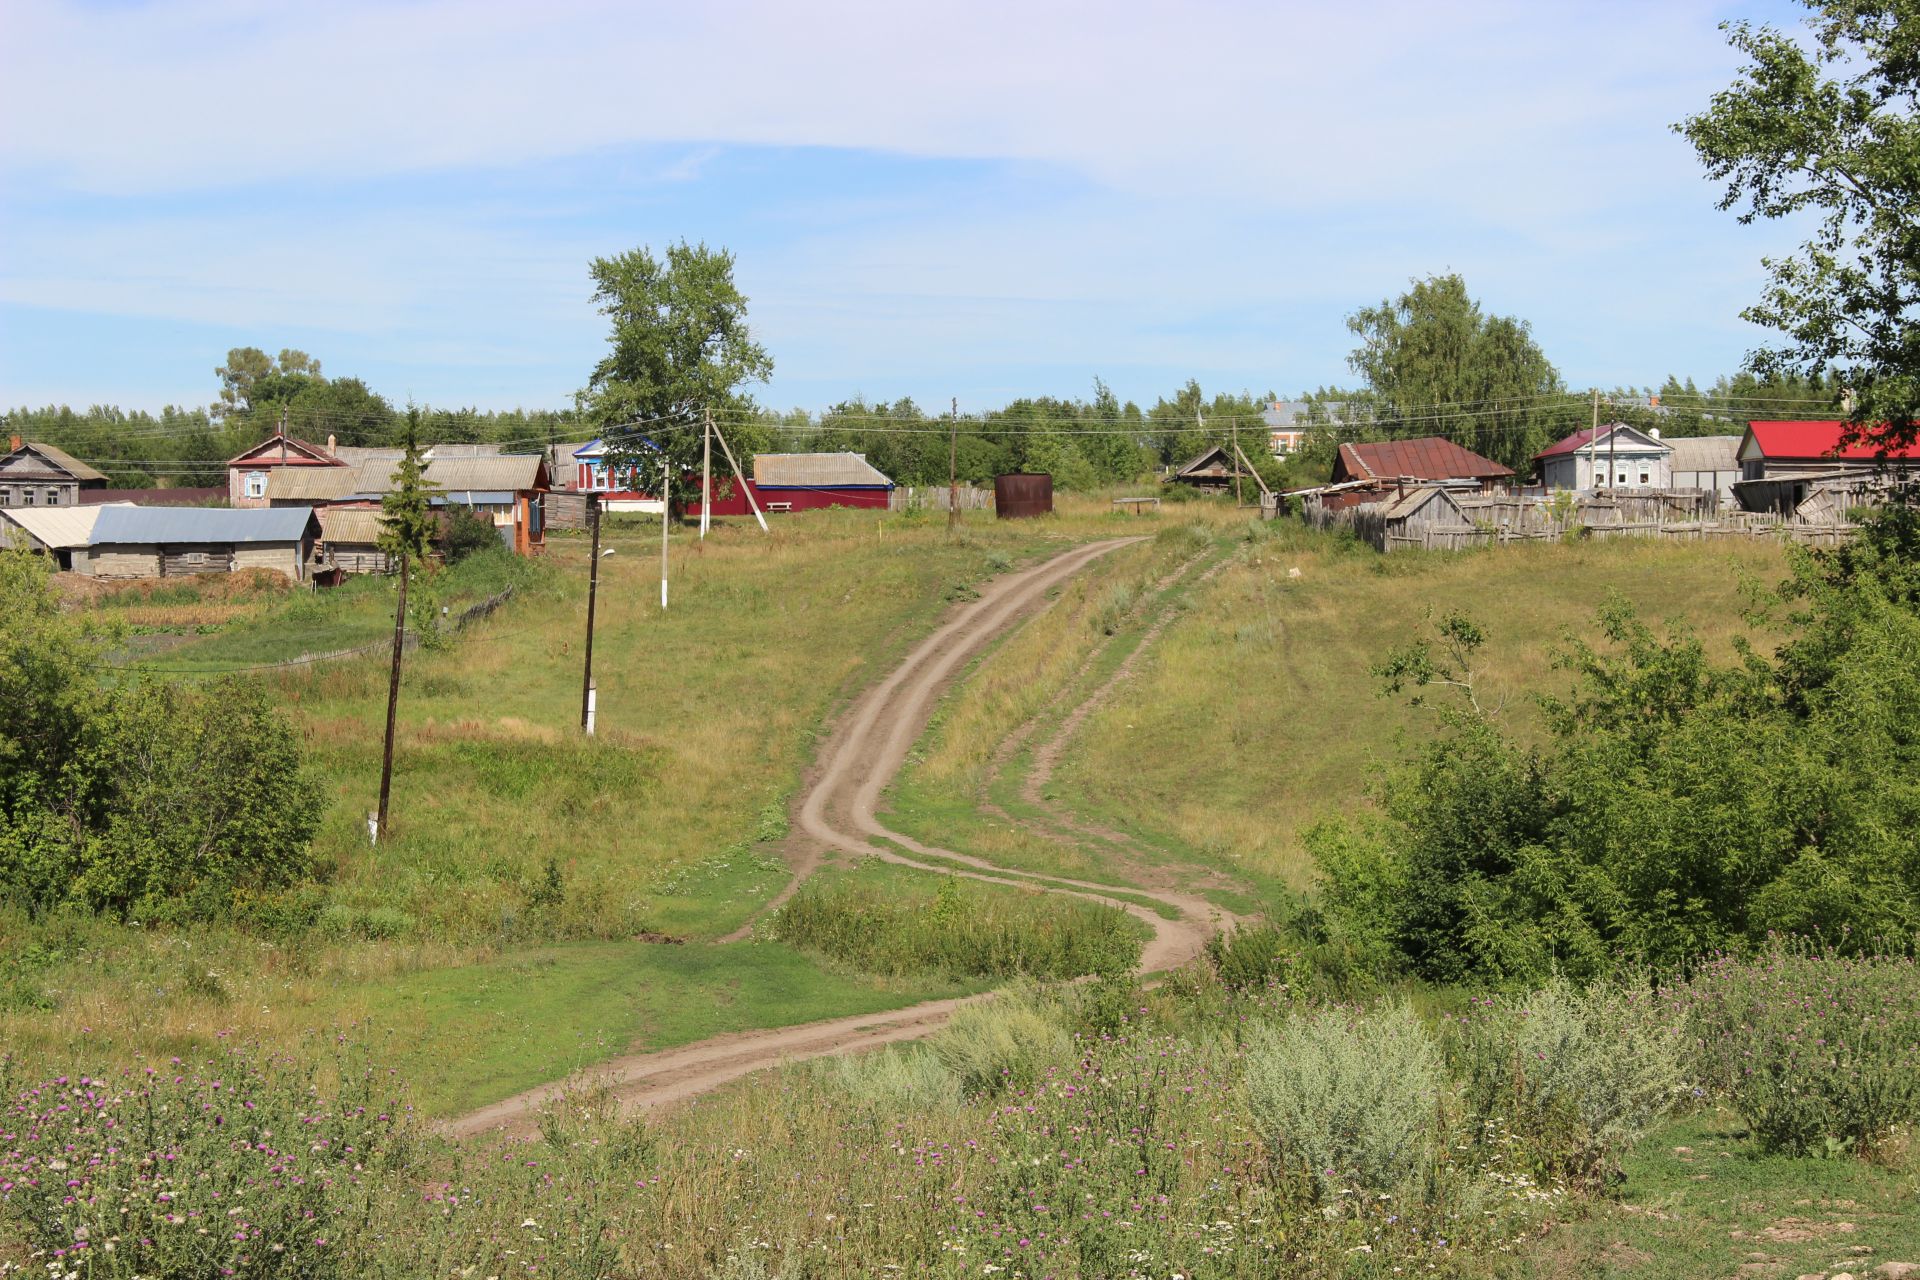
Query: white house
1617,456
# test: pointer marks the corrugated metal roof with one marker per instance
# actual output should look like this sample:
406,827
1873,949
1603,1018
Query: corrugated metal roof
511,471
355,454
201,524
357,525
817,471
1428,458
310,484
59,526
65,461
1706,453
1809,440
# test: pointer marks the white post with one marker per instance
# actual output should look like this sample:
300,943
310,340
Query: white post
593,700
666,487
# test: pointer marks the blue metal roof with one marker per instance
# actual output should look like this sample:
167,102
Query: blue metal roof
201,524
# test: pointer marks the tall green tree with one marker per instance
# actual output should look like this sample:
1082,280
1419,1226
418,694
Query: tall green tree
249,368
1829,128
679,346
1436,364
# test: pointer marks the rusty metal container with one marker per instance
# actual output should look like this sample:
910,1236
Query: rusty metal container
1016,497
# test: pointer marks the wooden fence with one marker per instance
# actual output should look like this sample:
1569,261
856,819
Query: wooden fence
1500,519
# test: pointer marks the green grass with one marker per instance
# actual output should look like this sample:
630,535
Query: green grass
880,917
1256,713
1700,1201
473,1034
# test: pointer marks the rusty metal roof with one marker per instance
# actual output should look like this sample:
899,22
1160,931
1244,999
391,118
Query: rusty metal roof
1428,458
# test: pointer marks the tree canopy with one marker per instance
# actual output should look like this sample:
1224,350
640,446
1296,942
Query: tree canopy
679,345
1432,351
1831,129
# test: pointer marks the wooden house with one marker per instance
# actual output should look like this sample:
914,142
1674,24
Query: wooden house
1616,456
350,540
33,474
1375,470
248,473
510,489
1212,468
165,542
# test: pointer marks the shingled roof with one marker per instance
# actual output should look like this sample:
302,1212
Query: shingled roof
1428,458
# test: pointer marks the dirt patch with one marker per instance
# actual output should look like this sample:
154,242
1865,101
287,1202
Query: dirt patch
1801,1230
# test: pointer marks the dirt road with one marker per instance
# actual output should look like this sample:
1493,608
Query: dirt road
836,814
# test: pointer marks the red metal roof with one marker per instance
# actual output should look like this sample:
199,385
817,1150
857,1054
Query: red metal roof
1816,440
1585,436
1428,458
316,455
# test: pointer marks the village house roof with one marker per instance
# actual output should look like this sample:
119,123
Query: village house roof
199,524
299,453
355,454
506,473
1413,499
350,525
1211,462
1587,437
1705,453
817,471
56,527
314,484
1428,458
1811,440
58,457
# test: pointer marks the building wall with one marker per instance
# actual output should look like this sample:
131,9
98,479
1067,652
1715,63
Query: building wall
1579,471
24,477
284,557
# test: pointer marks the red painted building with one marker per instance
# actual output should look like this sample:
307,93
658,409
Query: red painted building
780,482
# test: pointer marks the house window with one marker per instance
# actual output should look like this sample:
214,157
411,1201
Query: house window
1643,477
53,497
26,497
6,497
256,484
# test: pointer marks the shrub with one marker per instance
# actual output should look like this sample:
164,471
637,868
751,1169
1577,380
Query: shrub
1004,1042
1575,1076
465,532
1249,956
1348,1098
1815,1050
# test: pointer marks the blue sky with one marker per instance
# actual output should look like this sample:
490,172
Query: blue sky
981,200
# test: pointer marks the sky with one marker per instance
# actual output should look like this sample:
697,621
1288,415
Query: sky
981,200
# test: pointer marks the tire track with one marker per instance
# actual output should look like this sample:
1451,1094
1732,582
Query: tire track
836,814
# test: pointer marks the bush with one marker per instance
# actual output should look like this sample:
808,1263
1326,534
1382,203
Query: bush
1347,1098
1574,1076
1815,1050
1249,956
1000,1043
465,532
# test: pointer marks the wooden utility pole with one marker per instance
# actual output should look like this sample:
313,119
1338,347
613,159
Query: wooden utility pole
953,469
393,701
1234,428
1593,444
587,698
740,479
706,477
666,504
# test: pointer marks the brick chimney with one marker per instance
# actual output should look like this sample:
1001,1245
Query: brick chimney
13,445
331,450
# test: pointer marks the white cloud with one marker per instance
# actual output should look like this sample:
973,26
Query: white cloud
1498,104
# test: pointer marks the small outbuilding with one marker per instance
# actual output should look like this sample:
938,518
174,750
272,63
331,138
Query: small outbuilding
166,542
1376,470
350,540
1211,469
56,532
1708,463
